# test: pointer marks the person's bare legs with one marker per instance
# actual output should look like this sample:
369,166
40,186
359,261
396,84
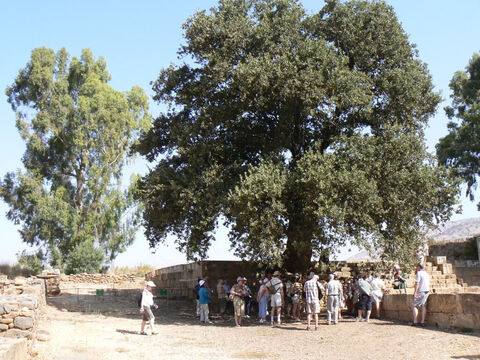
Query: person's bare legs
309,319
359,316
415,315
279,315
316,321
142,329
424,313
369,312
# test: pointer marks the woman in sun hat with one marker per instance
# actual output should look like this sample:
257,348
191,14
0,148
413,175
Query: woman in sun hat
262,299
146,308
238,292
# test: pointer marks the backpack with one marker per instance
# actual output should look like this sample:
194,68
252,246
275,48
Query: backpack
139,298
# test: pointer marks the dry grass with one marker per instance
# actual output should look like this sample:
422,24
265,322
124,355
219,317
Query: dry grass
139,270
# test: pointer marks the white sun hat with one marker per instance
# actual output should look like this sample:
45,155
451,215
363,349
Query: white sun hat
151,283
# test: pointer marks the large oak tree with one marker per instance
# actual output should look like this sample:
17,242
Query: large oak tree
301,132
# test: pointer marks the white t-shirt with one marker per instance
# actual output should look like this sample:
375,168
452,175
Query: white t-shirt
147,298
423,281
333,287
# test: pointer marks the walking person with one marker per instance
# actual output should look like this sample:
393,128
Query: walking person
204,300
420,295
275,287
311,288
378,289
238,293
365,303
146,308
334,292
262,299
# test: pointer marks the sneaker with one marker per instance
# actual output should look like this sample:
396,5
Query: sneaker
336,322
143,333
368,320
247,316
308,328
357,319
154,333
208,322
329,323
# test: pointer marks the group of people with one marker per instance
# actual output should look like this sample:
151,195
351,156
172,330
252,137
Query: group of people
295,294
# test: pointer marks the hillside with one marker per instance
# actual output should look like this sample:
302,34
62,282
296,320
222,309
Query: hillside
456,230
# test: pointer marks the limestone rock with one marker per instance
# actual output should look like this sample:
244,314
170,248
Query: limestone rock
43,335
3,327
23,322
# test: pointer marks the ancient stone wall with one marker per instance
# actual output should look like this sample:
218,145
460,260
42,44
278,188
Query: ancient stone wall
98,278
467,271
459,310
21,304
178,281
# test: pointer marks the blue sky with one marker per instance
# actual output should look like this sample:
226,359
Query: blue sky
139,38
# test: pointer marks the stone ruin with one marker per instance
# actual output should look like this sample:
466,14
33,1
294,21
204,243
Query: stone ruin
21,304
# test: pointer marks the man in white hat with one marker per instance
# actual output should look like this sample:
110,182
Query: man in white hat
145,308
275,288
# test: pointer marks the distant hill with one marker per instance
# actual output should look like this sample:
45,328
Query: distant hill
456,230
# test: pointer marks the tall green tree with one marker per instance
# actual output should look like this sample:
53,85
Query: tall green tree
78,132
460,149
267,121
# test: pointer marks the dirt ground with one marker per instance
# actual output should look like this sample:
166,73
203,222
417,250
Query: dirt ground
89,328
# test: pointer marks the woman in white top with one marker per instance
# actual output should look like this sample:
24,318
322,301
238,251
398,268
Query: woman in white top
378,289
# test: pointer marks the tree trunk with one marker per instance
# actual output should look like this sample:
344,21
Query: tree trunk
297,255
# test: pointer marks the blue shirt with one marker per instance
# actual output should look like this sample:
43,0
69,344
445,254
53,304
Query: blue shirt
204,296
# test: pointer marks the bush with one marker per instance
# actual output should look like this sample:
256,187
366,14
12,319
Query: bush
32,263
139,270
471,251
13,271
84,258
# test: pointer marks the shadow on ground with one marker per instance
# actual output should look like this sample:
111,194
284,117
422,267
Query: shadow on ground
122,303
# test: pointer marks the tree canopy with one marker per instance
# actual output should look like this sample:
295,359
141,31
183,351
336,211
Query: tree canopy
460,149
78,132
301,132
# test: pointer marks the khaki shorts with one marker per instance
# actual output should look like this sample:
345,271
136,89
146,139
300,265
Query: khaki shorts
147,313
313,308
276,300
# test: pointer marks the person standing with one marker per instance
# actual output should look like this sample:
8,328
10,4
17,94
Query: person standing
196,289
262,299
275,287
365,304
311,288
222,297
378,289
248,297
296,291
238,293
204,300
398,278
334,292
146,308
420,295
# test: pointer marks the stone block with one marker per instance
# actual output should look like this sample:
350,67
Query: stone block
17,333
442,303
469,303
445,268
3,327
471,321
23,322
439,260
441,320
13,349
